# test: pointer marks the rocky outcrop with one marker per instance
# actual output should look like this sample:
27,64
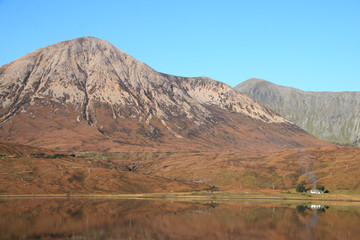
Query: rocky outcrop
91,95
332,116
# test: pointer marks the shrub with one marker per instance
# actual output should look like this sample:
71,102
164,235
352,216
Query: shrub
213,189
77,176
300,187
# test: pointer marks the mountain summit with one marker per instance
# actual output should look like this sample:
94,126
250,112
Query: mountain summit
85,94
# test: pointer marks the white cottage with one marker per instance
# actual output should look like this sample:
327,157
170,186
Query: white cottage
315,191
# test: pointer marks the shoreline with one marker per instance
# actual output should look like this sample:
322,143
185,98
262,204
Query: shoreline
189,196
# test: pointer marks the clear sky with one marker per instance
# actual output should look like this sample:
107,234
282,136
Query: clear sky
307,44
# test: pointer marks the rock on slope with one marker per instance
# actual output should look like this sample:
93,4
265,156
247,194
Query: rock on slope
86,95
332,116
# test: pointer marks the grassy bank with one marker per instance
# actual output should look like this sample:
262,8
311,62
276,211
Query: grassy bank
336,196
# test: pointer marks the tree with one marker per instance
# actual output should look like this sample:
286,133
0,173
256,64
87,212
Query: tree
300,187
320,188
213,189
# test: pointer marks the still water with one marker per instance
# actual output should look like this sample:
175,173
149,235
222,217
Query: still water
164,219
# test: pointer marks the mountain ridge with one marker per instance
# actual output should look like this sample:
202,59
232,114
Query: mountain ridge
331,116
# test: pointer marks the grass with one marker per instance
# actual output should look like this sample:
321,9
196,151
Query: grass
338,197
232,173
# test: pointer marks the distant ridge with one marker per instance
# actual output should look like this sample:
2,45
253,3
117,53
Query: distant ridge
331,116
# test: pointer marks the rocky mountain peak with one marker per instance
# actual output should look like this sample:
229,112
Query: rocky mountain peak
88,70
93,84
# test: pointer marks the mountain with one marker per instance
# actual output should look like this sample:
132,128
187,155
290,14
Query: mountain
86,95
331,116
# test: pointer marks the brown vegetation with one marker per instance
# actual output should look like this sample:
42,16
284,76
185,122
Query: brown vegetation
26,170
334,167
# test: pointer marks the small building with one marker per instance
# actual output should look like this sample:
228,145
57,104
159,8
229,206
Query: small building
316,207
315,191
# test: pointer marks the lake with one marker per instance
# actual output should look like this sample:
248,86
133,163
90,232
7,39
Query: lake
111,218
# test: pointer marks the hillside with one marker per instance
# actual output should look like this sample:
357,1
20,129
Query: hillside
28,170
335,167
86,95
331,116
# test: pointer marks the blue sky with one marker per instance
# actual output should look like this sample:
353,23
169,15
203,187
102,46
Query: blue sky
308,44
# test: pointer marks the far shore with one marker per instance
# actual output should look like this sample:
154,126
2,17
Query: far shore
345,197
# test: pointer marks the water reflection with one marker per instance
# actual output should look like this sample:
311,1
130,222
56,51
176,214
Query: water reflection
155,219
302,208
312,211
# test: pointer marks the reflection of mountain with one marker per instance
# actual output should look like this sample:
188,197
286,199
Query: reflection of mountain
332,116
85,94
151,219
